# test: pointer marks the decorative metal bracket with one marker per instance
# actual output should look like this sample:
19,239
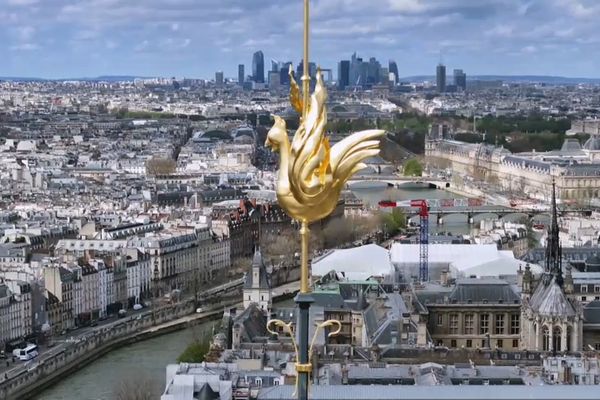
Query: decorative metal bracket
289,329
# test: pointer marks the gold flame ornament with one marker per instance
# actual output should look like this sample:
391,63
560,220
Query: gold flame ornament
311,173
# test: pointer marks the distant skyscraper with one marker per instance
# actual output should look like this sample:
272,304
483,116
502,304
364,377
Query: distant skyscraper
241,74
274,80
284,73
343,74
275,66
312,70
258,67
393,69
440,76
460,79
355,67
384,76
219,78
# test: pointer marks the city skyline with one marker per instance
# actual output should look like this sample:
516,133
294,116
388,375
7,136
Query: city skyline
185,38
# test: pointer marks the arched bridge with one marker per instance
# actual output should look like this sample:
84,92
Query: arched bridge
499,211
397,181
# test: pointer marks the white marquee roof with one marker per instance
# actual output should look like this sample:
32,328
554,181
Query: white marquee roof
358,263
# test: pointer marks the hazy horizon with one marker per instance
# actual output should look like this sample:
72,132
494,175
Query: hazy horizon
195,38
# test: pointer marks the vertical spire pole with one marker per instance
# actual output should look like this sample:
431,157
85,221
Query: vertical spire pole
306,73
304,298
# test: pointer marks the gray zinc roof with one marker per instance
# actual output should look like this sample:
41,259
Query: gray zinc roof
446,392
482,290
549,300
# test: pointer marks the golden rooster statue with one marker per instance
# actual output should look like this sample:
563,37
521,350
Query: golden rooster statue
311,173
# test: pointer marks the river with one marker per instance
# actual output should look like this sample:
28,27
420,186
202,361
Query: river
148,359
456,224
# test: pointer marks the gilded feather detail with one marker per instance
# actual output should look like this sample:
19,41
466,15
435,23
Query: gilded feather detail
312,173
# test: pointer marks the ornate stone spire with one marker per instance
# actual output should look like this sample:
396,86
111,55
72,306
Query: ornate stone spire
553,249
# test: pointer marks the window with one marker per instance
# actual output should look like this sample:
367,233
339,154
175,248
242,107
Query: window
469,324
515,324
484,322
597,346
440,319
453,343
597,289
469,343
546,338
499,324
583,298
500,343
453,324
584,288
515,343
483,343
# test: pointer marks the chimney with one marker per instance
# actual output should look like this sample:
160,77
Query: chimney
444,278
520,276
344,375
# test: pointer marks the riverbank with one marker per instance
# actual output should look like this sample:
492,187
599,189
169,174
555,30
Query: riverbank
97,344
47,372
465,192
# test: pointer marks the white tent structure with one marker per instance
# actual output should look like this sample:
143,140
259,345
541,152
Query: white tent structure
461,260
359,263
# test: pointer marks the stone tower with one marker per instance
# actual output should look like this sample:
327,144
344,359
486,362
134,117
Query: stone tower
257,287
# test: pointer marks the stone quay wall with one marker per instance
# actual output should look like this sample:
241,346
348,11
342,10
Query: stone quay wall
97,343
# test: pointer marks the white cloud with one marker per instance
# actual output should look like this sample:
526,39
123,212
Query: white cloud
22,2
25,47
529,49
407,6
25,33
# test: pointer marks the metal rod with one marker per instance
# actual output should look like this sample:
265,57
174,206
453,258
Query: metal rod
304,274
306,76
303,356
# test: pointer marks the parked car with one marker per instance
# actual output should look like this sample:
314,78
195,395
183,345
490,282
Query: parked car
137,307
200,310
122,313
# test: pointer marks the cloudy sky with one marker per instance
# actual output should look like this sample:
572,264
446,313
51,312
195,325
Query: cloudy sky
194,38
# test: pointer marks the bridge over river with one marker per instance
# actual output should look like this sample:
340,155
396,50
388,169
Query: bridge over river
474,207
398,181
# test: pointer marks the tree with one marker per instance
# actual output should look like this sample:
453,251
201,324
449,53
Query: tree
393,222
160,166
134,388
195,352
413,168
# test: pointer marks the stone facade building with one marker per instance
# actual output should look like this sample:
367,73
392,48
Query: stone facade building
476,313
574,168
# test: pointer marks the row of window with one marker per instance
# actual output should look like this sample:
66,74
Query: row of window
500,324
469,343
584,288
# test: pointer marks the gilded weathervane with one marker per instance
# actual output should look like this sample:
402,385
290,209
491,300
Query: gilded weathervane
311,176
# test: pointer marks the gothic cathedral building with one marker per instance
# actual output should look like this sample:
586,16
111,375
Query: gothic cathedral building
551,317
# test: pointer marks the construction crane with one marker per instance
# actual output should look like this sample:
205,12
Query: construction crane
423,232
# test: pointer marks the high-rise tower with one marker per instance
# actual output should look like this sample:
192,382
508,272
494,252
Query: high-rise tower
241,74
460,79
258,67
343,74
393,69
440,75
